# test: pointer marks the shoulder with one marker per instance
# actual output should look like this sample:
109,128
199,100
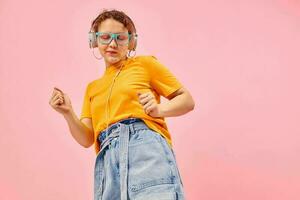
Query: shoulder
145,58
148,62
92,85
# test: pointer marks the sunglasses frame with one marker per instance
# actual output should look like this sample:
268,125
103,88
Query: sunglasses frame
113,36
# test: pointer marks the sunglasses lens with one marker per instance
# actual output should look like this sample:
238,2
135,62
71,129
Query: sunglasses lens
121,38
104,38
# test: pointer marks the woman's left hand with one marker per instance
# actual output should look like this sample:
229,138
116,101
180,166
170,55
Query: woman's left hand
150,105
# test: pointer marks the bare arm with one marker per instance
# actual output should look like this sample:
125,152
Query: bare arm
82,131
180,102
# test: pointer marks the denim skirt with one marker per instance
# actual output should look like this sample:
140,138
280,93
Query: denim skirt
135,163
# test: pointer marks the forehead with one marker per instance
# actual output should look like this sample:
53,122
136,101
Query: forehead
111,25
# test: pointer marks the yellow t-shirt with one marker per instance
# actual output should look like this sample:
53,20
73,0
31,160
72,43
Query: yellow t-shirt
139,74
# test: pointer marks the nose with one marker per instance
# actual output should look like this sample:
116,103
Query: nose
113,43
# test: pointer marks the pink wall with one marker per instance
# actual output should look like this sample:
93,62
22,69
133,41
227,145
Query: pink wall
239,59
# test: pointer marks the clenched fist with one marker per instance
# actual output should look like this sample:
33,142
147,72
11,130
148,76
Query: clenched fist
60,101
150,105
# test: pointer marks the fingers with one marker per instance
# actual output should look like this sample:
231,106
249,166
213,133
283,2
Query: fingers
150,105
57,91
57,97
146,97
57,102
148,101
55,94
143,95
55,88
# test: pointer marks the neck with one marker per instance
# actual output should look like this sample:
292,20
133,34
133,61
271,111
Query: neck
117,64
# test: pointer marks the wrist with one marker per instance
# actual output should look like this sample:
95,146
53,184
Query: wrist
162,110
69,114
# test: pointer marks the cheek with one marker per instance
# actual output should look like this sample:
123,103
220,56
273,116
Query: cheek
101,49
124,50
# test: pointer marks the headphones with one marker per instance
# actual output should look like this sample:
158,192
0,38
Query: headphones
131,46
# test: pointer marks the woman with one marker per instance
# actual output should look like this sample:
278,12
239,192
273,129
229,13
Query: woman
124,119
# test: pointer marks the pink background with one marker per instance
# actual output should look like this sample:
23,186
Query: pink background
239,59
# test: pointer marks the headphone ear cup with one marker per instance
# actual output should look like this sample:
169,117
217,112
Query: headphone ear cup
133,43
92,40
130,45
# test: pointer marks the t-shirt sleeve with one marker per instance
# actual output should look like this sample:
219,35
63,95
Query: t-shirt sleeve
86,106
162,79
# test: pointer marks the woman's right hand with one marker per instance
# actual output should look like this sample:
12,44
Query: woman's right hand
60,101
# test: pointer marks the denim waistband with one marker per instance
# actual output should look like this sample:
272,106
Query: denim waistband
137,125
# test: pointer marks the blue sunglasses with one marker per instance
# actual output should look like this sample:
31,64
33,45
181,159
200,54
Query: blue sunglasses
120,38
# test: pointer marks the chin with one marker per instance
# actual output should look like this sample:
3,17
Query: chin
113,60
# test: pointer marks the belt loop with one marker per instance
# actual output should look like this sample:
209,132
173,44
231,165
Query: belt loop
131,128
99,176
123,150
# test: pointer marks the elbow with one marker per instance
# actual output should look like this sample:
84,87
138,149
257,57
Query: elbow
87,145
190,102
89,139
191,105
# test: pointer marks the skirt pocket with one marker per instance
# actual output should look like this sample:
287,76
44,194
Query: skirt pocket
149,170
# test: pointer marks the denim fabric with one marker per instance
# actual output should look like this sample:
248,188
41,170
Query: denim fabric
135,163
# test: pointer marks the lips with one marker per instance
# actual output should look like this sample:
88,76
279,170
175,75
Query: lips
111,52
